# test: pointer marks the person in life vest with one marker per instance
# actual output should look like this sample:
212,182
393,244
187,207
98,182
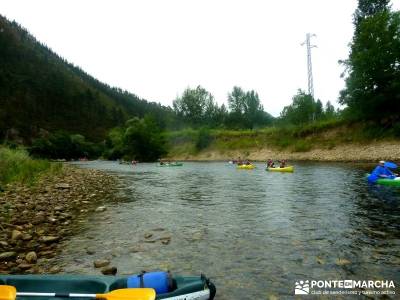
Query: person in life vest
282,163
382,172
270,163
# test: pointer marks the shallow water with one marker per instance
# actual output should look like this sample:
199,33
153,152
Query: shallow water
253,232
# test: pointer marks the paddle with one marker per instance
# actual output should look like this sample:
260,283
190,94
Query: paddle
391,165
8,292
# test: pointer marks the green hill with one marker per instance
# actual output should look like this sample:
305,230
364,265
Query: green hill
40,91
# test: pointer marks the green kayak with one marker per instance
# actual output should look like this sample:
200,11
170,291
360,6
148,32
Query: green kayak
389,182
191,287
176,164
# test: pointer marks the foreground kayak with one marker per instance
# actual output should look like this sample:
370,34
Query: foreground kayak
389,182
277,169
246,167
171,165
189,288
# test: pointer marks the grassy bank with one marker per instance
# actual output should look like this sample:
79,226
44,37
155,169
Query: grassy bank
294,141
18,166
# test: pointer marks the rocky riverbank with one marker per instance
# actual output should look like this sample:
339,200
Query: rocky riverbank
34,220
371,152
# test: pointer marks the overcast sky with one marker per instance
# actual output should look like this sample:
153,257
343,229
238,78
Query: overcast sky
157,48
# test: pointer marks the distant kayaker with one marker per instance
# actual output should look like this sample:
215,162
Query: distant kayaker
270,163
282,164
382,172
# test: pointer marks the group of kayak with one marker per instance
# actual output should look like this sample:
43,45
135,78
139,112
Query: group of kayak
270,165
383,175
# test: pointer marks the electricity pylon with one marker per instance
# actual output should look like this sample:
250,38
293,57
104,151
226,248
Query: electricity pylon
309,64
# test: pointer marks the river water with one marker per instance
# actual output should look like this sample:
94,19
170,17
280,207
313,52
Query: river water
254,233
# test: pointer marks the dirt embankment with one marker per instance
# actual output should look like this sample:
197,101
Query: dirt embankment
374,151
34,220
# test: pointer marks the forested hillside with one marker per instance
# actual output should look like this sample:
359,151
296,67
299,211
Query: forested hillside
40,90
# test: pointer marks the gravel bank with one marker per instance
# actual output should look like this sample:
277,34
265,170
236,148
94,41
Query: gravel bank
34,220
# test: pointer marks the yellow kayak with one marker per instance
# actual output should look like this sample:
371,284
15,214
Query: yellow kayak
248,167
285,169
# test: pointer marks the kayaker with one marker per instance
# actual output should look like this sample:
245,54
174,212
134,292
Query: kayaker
283,163
270,163
382,172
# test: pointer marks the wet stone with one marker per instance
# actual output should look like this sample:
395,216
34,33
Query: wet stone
16,235
101,263
24,266
31,257
55,269
49,239
101,209
62,186
90,251
342,262
7,255
109,271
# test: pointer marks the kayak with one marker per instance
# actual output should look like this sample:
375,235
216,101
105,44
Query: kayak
190,287
176,164
277,169
245,167
389,182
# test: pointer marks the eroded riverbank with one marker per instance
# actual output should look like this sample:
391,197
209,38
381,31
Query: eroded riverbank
34,220
371,152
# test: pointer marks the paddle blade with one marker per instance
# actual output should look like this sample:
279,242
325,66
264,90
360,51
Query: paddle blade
7,292
390,165
129,294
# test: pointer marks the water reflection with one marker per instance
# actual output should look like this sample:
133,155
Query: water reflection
252,231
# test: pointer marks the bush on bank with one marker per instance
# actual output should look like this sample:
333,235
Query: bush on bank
17,166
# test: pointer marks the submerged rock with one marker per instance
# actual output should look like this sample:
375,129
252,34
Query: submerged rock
101,209
101,263
55,269
49,239
148,235
342,262
90,251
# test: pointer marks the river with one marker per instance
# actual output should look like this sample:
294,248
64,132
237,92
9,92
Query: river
254,233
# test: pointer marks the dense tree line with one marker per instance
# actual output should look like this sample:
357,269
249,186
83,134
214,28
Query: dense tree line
62,145
304,109
373,67
197,108
138,139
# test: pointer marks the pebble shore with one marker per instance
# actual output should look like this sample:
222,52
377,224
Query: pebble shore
34,220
